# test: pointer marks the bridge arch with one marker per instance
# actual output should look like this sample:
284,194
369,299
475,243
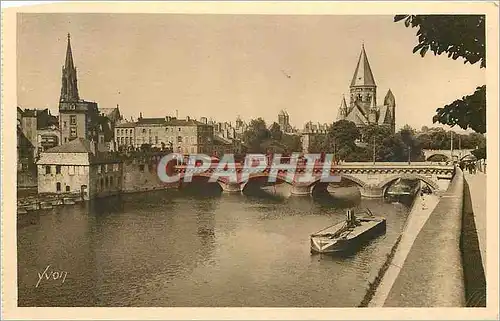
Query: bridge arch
384,184
353,179
433,156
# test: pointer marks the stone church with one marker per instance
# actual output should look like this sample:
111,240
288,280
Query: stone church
363,108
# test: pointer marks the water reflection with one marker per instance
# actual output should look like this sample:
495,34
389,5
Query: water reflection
180,248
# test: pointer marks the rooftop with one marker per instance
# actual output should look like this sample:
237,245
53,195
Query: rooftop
78,145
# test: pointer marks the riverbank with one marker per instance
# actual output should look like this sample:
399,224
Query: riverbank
419,214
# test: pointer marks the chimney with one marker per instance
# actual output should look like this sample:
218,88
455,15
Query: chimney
187,118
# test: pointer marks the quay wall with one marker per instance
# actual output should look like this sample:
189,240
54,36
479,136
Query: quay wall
432,275
27,179
141,176
474,272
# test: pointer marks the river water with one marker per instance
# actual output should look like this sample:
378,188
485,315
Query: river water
171,248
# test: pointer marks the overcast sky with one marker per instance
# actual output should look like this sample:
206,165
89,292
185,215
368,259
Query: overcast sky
221,66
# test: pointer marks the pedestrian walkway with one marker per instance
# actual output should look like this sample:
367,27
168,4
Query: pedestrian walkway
477,188
422,209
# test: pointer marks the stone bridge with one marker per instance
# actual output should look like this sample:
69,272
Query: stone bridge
458,154
372,179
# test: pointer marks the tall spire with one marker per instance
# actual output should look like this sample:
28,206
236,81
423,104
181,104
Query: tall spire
363,75
69,87
69,55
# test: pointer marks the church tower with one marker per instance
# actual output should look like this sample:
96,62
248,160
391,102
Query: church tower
69,87
77,117
363,89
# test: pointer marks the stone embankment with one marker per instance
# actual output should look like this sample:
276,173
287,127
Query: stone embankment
432,274
420,212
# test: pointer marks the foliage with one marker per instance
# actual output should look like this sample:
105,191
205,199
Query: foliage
259,139
276,132
470,111
438,138
480,153
458,36
255,135
291,142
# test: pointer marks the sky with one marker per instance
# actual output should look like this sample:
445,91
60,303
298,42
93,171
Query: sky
222,66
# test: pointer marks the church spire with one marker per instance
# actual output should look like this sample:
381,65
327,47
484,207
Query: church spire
69,87
363,75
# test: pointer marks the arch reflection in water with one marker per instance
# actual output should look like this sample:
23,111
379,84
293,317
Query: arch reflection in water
169,248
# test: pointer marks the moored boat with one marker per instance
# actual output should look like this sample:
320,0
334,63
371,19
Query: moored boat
349,234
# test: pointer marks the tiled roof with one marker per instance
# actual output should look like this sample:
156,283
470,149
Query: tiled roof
184,122
363,75
151,121
78,145
126,125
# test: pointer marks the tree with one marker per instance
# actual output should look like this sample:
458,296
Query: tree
374,135
276,132
292,143
255,135
459,36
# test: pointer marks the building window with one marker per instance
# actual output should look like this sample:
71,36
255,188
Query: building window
107,182
65,124
65,139
71,170
179,129
111,181
58,186
103,169
144,131
193,139
179,139
156,139
102,183
126,140
98,169
58,169
72,120
72,132
141,167
47,169
67,188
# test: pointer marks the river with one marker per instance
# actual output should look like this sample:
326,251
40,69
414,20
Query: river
171,248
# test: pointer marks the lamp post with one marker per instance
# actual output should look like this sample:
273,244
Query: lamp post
451,146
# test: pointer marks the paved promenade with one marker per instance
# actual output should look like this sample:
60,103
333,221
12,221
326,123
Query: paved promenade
477,187
422,209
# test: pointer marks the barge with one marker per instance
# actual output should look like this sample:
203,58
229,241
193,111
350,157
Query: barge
349,234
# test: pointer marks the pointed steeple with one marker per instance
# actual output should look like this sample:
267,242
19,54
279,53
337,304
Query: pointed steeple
69,56
69,87
389,99
363,75
342,114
